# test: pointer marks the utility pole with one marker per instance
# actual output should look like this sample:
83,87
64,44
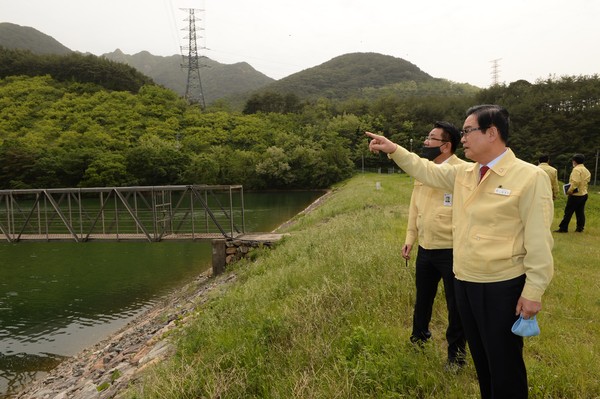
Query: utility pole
495,71
193,88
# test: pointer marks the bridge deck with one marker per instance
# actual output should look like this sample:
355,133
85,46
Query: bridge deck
114,237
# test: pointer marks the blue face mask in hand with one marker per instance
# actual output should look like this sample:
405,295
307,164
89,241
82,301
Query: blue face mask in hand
526,327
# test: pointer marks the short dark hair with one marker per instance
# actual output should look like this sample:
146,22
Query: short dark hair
579,158
544,158
450,133
489,115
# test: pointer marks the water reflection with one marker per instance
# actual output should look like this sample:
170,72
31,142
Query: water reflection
58,298
19,369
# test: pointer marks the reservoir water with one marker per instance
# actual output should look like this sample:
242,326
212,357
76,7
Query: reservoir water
59,298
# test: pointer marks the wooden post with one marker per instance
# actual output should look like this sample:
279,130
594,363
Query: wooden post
218,256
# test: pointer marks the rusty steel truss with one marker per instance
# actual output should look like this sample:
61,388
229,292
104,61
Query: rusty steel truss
145,213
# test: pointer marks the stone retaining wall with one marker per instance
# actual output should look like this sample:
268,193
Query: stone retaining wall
227,251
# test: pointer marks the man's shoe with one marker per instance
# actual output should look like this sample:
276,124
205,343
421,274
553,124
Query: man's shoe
560,231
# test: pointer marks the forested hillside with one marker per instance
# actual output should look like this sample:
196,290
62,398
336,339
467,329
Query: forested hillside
55,134
218,80
558,117
68,133
365,75
349,76
16,37
72,67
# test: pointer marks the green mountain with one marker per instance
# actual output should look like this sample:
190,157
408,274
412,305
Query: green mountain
19,37
73,67
349,73
365,75
218,80
356,75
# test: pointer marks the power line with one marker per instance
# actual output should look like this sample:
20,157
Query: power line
174,30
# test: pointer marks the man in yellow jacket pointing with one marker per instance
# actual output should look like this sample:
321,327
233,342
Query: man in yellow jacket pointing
501,220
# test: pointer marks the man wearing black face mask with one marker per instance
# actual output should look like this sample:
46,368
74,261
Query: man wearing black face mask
430,220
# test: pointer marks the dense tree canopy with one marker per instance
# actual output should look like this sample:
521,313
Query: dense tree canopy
558,117
54,135
67,133
72,67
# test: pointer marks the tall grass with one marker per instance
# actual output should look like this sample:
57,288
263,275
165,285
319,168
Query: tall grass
327,314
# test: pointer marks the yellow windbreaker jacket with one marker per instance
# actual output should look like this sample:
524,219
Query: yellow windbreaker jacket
553,175
501,227
579,179
430,215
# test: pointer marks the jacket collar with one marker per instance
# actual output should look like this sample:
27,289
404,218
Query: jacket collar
504,164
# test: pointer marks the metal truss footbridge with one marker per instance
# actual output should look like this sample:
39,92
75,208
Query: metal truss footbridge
144,213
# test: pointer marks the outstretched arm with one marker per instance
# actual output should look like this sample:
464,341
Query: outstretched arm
438,176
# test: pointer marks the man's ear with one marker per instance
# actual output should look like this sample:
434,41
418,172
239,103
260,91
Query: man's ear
493,133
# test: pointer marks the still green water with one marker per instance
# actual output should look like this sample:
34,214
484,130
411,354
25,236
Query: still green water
58,298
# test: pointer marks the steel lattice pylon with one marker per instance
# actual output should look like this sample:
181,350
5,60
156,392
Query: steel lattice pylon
191,61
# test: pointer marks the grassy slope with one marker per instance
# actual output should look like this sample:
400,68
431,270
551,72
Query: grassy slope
328,315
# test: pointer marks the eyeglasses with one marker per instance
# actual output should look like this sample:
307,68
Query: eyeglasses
465,132
434,138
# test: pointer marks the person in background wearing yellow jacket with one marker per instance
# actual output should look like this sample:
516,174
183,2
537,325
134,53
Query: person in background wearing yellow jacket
578,195
430,220
502,242
552,173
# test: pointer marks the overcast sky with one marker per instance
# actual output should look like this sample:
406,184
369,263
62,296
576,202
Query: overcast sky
455,40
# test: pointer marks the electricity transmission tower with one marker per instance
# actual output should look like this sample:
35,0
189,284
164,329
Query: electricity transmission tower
191,61
495,71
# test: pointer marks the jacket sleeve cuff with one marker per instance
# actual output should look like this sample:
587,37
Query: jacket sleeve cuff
532,293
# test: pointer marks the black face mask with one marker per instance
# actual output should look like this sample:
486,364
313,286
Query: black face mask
430,153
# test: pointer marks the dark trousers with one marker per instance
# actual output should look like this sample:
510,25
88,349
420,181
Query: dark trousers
487,311
575,205
433,265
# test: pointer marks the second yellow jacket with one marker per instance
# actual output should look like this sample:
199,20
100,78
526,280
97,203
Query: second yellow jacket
430,215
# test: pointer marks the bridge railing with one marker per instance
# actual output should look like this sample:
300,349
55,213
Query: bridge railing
148,213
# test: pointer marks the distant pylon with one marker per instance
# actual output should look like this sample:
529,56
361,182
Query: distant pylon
495,71
193,88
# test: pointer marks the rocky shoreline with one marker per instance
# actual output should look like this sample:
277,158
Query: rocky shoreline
109,367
